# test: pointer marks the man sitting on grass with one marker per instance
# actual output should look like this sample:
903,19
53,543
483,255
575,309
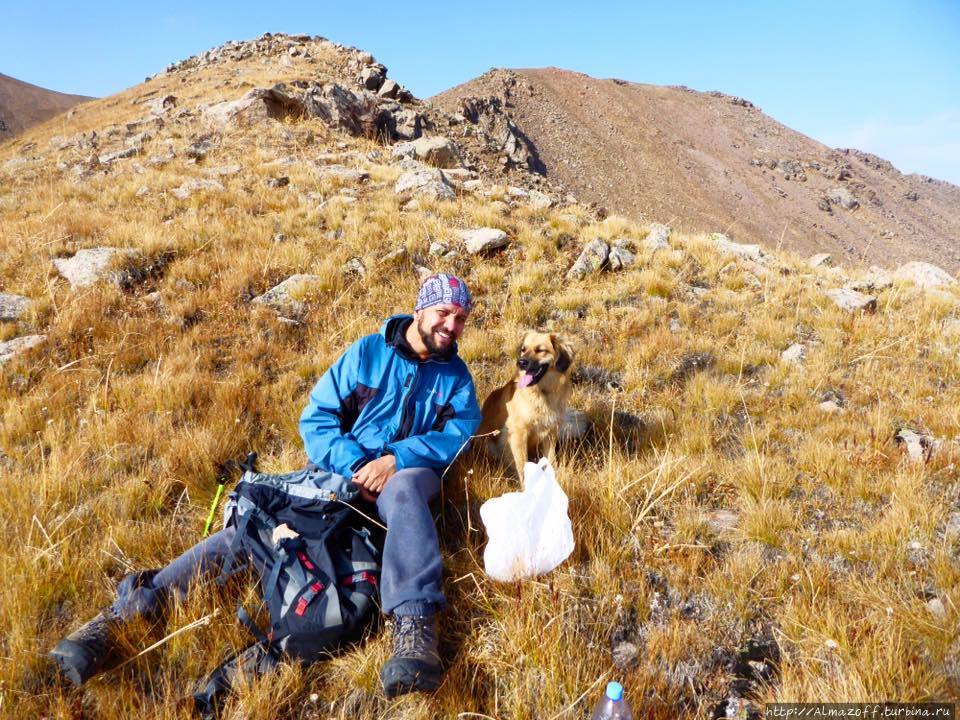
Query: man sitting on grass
391,413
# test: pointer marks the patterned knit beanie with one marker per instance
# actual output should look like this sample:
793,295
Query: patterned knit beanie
443,289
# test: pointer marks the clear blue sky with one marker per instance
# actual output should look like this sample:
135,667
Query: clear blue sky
882,76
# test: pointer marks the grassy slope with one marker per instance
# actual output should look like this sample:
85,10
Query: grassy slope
113,430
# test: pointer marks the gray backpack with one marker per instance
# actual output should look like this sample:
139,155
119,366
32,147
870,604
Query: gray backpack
320,588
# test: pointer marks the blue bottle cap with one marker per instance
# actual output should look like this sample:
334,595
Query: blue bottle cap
615,691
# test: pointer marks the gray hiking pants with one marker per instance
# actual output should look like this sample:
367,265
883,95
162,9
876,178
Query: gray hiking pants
411,568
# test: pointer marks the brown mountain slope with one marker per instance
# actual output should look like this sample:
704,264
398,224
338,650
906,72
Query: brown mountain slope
709,161
23,105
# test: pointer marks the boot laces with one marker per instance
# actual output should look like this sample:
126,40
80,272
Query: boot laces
413,636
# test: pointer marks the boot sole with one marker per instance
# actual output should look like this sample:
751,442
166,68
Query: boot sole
406,676
73,662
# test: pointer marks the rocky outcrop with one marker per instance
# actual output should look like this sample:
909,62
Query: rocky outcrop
360,113
492,124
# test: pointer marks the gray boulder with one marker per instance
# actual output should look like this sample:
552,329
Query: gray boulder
372,77
657,238
875,280
91,265
284,297
851,300
12,307
620,257
924,275
424,182
435,150
593,257
389,89
480,240
842,197
189,187
742,251
343,174
12,348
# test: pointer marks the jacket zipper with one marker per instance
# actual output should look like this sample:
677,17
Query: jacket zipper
411,385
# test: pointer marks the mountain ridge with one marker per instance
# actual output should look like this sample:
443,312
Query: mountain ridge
23,105
711,160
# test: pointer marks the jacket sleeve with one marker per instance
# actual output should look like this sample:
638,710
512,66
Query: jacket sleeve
438,448
321,423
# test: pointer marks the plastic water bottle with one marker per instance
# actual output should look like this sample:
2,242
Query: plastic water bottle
612,706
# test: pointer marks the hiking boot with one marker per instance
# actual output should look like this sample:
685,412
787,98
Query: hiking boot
415,664
90,649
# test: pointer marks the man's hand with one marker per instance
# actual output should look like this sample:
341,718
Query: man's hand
373,476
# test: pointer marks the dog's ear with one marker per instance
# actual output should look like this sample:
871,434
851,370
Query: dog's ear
564,353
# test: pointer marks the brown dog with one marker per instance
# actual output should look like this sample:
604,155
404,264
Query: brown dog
529,409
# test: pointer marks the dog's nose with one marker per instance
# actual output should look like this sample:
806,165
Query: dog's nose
523,363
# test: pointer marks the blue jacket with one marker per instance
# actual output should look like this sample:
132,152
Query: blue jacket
379,398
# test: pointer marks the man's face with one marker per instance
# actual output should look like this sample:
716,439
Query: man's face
440,326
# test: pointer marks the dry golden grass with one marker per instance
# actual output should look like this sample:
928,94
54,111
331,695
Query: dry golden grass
113,430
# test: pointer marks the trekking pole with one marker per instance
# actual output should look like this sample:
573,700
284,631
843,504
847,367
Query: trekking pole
213,506
247,465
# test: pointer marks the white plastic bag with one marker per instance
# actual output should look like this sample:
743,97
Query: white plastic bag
529,532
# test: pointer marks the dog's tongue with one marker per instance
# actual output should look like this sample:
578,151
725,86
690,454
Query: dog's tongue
525,379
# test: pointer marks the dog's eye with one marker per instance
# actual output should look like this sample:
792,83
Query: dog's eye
523,348
541,350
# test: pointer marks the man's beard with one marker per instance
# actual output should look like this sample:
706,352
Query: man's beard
430,341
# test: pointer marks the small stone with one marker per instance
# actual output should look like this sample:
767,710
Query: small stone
222,170
722,521
12,348
795,354
422,272
851,300
142,191
480,240
278,182
438,248
820,260
355,266
675,326
829,407
12,307
937,608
